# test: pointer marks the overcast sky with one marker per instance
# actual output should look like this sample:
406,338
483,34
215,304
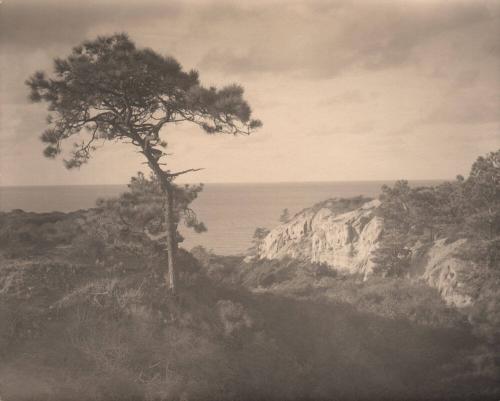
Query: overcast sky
347,90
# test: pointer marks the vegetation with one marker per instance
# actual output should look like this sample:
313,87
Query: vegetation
258,236
285,216
393,299
105,330
108,90
341,205
390,298
137,214
85,317
26,233
465,208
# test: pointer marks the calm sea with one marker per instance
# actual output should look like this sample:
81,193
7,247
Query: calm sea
231,212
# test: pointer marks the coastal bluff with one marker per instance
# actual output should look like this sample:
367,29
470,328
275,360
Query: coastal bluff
345,236
343,240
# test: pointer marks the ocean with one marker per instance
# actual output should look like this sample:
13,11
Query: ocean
231,212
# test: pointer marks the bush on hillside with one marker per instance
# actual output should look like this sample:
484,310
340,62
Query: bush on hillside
106,333
465,208
89,248
25,234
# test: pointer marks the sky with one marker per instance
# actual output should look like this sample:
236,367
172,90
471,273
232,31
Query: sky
346,90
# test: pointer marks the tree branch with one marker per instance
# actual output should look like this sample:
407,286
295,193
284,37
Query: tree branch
190,170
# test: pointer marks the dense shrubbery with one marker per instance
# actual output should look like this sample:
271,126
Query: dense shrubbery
116,337
24,234
139,212
466,208
392,298
74,329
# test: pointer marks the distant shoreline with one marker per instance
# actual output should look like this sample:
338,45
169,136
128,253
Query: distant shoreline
420,180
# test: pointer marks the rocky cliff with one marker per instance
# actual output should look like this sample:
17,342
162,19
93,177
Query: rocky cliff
346,240
441,269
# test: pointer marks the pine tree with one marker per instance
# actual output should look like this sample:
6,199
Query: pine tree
110,90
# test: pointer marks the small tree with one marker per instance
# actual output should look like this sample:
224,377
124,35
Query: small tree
426,209
392,258
285,216
482,192
401,217
138,212
109,90
258,237
396,206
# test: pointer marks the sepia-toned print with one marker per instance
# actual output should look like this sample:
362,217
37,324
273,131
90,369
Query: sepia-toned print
250,200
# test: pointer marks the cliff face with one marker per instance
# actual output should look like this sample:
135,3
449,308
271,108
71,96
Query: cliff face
441,269
343,241
346,242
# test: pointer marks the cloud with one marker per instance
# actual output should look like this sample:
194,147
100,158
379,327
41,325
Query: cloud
361,127
466,79
347,97
362,35
20,121
243,63
33,24
357,128
315,38
462,111
492,46
326,77
470,110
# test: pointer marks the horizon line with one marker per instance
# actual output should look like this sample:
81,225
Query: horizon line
233,182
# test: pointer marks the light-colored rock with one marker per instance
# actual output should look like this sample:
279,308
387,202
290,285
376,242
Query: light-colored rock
346,243
444,271
343,241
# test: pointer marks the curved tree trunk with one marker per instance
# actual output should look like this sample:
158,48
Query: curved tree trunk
171,229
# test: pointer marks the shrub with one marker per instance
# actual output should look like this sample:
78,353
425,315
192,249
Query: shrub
87,247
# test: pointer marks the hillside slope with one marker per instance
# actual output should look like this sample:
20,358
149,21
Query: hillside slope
82,321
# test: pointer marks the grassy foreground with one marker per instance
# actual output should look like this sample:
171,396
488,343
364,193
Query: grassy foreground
83,319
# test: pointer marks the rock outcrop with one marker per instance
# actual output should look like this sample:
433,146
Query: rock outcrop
346,241
441,269
343,241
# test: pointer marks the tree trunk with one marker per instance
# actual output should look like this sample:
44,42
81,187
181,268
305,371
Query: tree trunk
171,274
171,241
491,222
166,186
